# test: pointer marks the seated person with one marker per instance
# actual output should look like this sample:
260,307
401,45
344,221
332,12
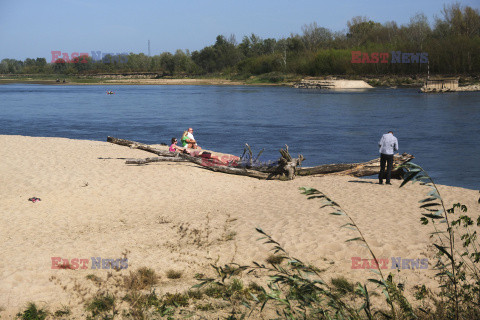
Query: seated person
209,159
219,160
188,141
174,147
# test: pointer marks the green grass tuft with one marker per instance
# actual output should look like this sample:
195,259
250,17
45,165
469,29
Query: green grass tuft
342,285
205,307
176,299
94,278
195,294
65,311
101,304
32,312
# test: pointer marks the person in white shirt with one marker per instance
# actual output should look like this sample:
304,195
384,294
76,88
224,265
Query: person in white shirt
188,140
388,145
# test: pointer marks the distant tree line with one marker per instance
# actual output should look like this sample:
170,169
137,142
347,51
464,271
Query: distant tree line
452,42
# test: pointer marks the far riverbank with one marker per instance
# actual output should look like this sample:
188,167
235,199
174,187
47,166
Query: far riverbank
269,79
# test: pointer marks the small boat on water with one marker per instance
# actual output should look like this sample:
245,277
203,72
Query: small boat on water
110,92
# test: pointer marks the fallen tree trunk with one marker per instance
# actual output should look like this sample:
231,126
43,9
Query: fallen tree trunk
204,163
242,172
224,169
141,146
155,159
286,169
325,169
362,169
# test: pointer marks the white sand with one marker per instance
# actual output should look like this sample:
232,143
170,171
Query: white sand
332,84
179,216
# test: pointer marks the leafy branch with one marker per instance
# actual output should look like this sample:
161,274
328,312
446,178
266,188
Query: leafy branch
312,193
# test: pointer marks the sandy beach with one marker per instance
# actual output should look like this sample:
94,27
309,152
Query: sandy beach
179,216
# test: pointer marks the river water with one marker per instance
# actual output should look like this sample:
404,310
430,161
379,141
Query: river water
441,130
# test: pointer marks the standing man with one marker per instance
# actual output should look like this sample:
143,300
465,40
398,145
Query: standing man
388,145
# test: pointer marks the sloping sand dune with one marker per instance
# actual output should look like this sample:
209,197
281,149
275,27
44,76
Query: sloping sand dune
182,217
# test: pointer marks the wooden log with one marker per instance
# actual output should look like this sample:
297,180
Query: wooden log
242,172
145,147
141,146
325,169
224,169
155,159
287,165
362,169
204,163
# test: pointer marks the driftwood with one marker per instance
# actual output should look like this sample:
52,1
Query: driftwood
362,169
289,164
277,173
285,169
141,146
155,159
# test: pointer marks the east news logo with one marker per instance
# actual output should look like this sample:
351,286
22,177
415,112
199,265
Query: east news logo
397,263
97,57
97,263
382,57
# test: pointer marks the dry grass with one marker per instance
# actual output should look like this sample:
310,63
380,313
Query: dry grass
173,274
140,279
274,259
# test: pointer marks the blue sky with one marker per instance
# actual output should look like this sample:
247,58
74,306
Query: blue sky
33,28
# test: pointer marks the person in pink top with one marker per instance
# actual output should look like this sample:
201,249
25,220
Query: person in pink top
174,147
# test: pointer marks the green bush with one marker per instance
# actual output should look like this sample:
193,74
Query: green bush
261,64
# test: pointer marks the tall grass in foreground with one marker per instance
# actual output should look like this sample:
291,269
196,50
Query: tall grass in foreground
458,265
388,288
296,290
